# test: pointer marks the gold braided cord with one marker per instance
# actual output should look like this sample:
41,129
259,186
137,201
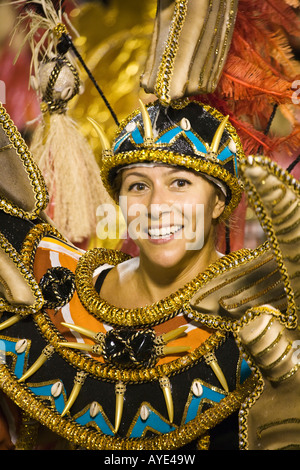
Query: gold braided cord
157,312
166,67
35,177
32,240
91,440
229,26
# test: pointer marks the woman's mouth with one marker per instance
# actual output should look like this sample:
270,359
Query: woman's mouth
162,233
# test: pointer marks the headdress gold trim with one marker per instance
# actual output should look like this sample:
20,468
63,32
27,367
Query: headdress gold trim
148,151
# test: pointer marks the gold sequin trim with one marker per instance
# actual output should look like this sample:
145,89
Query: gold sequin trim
152,314
59,30
166,67
167,157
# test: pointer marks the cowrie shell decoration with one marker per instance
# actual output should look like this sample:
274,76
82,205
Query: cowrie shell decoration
56,389
197,389
94,409
21,345
144,413
185,124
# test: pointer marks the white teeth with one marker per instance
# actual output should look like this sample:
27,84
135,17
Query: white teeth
164,231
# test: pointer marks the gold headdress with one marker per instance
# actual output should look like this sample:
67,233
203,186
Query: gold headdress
185,133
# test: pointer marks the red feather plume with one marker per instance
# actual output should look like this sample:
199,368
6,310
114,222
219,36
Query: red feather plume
259,74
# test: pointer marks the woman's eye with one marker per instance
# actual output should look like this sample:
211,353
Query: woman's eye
137,187
181,183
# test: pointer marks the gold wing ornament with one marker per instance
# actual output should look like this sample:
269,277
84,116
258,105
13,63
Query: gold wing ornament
272,338
259,301
182,59
22,187
23,195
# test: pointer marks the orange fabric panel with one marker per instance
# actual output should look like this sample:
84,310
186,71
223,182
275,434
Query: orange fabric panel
57,253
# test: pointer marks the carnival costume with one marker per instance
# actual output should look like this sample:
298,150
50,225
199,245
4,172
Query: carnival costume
103,377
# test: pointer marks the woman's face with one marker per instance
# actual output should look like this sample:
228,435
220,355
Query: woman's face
170,212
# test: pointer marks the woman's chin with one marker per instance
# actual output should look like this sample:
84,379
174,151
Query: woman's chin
165,255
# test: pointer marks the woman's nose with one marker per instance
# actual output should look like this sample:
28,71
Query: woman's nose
159,202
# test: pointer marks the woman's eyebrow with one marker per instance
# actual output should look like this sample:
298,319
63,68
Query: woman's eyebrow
134,173
179,170
144,174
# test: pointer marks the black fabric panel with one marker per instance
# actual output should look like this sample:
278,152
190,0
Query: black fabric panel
14,229
100,279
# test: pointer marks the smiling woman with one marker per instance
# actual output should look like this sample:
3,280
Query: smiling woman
179,180
171,214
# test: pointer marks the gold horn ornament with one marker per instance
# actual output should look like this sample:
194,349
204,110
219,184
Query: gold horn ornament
218,135
165,385
175,349
120,390
80,329
46,353
10,321
106,150
92,348
78,383
161,341
211,360
173,334
148,131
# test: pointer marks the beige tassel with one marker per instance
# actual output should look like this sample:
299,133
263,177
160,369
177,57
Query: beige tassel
72,177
